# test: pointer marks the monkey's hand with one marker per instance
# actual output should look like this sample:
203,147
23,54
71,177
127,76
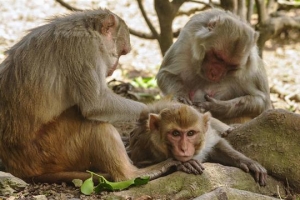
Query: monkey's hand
227,132
191,167
258,171
144,114
183,99
216,107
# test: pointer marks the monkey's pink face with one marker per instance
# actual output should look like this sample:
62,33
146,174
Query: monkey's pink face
183,144
216,66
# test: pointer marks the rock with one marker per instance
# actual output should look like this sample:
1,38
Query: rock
39,197
10,184
273,140
180,185
232,194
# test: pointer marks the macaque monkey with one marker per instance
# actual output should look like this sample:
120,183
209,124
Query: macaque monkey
214,65
55,107
179,131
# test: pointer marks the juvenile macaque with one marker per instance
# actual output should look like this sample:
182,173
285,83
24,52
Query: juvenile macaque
179,131
55,107
215,66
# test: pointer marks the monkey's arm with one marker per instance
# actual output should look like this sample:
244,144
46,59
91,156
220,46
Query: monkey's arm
176,62
172,84
249,105
224,153
222,128
98,102
110,107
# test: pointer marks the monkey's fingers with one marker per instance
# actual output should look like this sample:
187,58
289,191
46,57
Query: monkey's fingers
208,98
191,167
263,179
227,132
186,167
183,168
195,164
259,172
244,167
183,100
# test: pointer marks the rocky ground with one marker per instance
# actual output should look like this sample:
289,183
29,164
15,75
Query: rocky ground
282,57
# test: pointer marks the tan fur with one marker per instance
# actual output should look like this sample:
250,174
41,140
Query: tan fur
149,145
216,55
152,141
55,107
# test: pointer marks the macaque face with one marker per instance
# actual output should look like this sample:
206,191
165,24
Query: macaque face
183,143
182,128
119,43
216,66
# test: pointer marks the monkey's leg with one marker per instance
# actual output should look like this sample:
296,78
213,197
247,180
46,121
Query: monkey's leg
65,148
224,153
112,158
108,153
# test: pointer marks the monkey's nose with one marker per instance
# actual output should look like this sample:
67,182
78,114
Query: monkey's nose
183,149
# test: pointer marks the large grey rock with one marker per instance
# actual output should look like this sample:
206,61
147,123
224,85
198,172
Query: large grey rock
180,185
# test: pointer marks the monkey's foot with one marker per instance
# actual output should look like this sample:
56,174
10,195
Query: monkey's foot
161,168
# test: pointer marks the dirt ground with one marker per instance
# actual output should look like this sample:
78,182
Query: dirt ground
282,58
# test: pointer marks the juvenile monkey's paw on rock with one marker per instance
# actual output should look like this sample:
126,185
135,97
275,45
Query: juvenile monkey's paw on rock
191,167
259,172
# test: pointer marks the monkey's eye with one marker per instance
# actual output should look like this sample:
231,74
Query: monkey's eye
218,57
233,68
175,133
190,133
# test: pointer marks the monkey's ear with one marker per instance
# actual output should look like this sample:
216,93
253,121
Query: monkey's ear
213,23
206,120
108,24
154,122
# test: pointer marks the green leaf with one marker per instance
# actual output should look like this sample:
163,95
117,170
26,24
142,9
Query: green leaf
141,180
121,185
87,187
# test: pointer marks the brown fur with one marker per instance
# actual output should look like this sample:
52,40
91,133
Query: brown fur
55,107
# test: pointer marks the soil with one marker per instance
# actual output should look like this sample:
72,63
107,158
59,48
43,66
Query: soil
281,55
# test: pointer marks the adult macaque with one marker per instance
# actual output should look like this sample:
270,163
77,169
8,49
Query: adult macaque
179,131
215,66
55,107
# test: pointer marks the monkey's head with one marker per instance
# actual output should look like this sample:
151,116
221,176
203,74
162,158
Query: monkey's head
115,37
225,44
182,128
